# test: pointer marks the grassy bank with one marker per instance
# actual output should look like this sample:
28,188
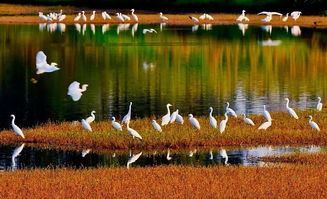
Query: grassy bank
288,181
284,130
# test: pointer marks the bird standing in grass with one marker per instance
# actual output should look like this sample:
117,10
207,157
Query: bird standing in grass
194,121
319,105
247,120
91,118
162,17
134,16
290,110
213,121
116,125
230,111
133,132
223,123
86,125
313,124
266,114
16,129
156,126
127,117
166,118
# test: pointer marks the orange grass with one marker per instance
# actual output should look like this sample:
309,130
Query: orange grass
145,18
284,130
289,181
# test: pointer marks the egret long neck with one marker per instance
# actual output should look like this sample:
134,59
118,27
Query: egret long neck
130,109
211,112
13,120
168,110
287,102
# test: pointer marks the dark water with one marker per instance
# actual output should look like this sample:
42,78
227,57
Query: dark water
190,67
13,158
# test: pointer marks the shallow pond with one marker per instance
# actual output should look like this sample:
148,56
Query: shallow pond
13,158
191,67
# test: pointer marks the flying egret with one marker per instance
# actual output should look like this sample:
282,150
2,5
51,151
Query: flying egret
91,118
133,159
173,116
296,14
86,125
42,65
313,124
134,15
92,17
222,125
194,121
194,19
166,118
156,126
319,105
168,155
247,120
116,125
179,118
17,130
270,13
127,117
265,125
230,111
149,31
83,16
133,132
213,121
266,114
119,17
162,17
290,110
242,17
75,91
285,18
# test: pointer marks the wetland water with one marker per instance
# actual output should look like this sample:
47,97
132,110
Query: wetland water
13,158
190,67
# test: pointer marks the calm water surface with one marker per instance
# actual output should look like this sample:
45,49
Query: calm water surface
190,67
19,157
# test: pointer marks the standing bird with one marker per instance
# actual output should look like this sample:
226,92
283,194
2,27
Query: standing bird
126,18
247,120
134,15
86,125
265,125
203,17
296,14
156,126
230,111
133,132
92,17
266,114
91,118
17,130
119,17
313,124
213,121
179,118
242,17
173,116
83,16
42,16
166,118
194,19
193,121
209,17
222,125
290,110
115,124
77,18
285,18
319,105
162,17
127,117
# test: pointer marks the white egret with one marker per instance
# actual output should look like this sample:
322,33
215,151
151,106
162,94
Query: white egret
213,121
267,19
162,17
85,152
126,18
42,65
168,155
42,16
133,159
119,17
242,17
179,118
134,29
194,121
77,18
61,17
296,14
107,15
133,132
86,125
127,117
265,125
103,15
92,17
224,155
247,120
134,15
194,19
116,125
313,124
173,116
75,91
83,16
209,17
203,17
149,31
223,123
266,114
270,13
230,111
285,18
16,129
91,118
166,118
156,126
290,110
319,105
78,27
